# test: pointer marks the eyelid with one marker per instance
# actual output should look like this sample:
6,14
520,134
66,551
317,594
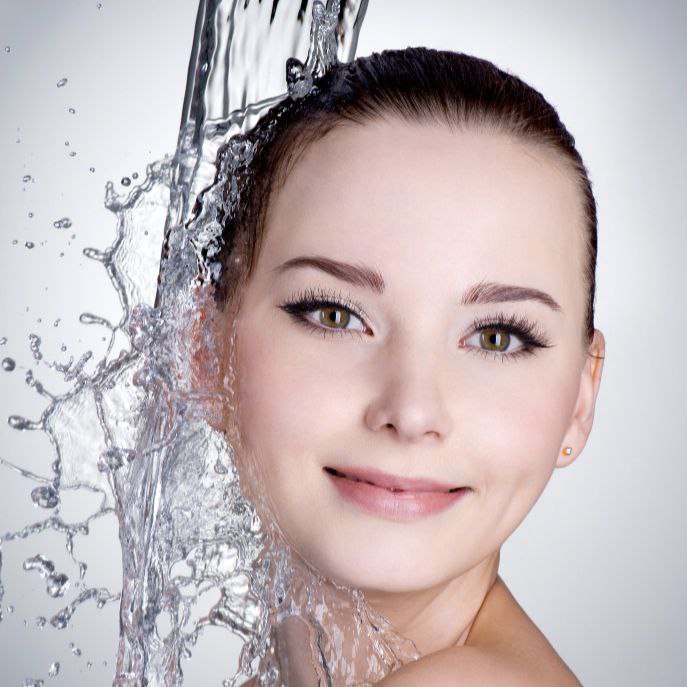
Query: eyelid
529,333
310,299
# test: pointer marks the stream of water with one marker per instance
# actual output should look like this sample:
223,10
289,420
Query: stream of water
131,428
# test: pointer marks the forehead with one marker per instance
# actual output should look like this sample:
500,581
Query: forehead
415,197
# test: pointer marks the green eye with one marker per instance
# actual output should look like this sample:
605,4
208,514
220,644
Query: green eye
494,340
334,317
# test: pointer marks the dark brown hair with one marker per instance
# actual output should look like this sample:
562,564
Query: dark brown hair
416,85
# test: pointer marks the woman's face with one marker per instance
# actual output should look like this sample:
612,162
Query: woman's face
461,255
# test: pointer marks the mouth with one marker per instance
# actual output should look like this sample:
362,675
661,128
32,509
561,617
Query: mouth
392,496
393,483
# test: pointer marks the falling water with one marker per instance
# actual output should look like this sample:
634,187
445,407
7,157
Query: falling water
132,429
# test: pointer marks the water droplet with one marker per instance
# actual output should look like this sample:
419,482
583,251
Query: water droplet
63,347
90,318
20,423
63,223
57,585
75,649
126,181
56,323
40,621
26,178
91,169
95,254
8,49
60,620
54,669
62,82
3,341
134,175
45,497
89,664
10,609
31,682
8,364
100,5
72,153
30,215
71,110
66,143
35,346
44,566
29,245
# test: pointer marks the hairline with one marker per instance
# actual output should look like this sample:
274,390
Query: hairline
307,136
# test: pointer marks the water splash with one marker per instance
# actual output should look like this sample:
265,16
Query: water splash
132,429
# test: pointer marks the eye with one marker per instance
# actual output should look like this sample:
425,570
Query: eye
326,312
504,337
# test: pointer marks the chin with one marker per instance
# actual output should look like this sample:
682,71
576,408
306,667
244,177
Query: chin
397,572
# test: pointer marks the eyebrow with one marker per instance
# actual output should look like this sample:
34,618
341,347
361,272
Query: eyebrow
492,292
477,294
358,275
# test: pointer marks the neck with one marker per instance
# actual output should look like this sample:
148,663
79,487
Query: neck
442,616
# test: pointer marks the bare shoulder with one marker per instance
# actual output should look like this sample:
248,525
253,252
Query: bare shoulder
504,630
504,647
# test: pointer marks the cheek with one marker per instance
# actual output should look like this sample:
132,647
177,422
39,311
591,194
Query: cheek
286,418
281,401
517,436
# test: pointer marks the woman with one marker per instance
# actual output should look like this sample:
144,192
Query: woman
406,329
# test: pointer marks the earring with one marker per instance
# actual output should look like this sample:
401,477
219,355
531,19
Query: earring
567,451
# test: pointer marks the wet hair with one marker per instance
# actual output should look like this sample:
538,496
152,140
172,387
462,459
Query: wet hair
417,85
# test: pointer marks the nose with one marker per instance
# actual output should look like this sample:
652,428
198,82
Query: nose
407,400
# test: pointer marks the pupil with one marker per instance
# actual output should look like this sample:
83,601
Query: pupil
335,316
495,339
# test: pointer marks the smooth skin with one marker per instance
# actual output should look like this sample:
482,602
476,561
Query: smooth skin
407,387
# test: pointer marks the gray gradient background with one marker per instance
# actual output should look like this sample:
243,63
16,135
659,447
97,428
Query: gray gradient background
600,562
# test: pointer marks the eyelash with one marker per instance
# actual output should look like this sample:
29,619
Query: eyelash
307,300
531,337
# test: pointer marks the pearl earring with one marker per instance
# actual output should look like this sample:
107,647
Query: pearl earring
567,451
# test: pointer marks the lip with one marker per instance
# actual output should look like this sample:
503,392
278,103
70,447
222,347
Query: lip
393,496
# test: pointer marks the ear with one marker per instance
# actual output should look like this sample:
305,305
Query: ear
583,415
